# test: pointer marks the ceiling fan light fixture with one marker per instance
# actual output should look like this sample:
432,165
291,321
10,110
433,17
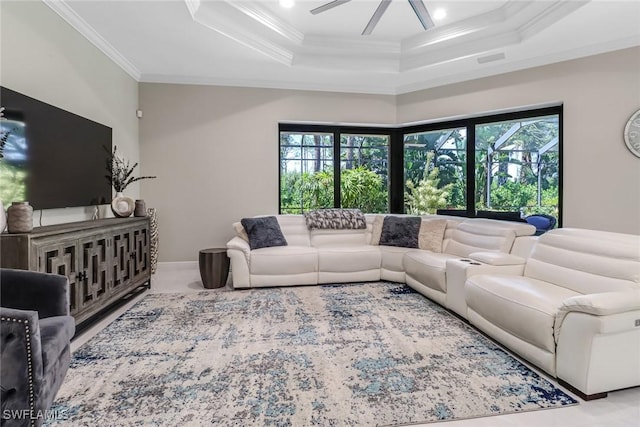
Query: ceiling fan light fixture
439,14
287,4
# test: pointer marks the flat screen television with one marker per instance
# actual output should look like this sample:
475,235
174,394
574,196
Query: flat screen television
51,158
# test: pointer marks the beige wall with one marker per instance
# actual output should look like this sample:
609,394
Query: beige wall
44,58
215,151
599,93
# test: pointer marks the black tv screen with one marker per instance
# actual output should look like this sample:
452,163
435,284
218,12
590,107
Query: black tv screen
51,158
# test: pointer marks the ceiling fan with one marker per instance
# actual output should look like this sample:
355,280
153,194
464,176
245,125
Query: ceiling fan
418,7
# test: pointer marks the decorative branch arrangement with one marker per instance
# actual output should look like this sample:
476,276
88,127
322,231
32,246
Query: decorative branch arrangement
120,171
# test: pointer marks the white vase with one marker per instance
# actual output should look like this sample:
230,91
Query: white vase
122,206
3,217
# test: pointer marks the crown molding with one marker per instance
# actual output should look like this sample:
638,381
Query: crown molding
477,46
80,25
360,45
459,29
497,68
508,25
265,17
333,86
348,62
214,16
549,16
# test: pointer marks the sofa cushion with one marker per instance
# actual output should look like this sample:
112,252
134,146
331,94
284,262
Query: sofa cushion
480,235
400,231
427,268
348,258
335,219
282,260
431,234
358,237
586,261
393,256
240,231
263,232
524,307
376,230
294,229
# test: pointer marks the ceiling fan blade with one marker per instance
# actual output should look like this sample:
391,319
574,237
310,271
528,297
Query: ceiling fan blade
422,13
328,6
384,4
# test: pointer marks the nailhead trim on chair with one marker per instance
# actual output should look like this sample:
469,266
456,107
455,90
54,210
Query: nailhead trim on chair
29,365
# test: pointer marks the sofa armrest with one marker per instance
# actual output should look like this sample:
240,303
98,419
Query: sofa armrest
241,245
497,258
603,304
239,254
48,294
22,369
600,304
599,353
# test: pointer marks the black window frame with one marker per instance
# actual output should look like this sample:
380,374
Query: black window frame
336,131
396,136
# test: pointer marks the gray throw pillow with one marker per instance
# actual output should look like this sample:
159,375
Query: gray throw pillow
263,232
402,231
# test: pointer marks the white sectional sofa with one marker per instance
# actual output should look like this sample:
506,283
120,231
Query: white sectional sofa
568,301
333,256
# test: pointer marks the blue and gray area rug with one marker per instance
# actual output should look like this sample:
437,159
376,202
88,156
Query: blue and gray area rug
341,355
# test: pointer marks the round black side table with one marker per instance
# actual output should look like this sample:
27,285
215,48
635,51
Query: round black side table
214,267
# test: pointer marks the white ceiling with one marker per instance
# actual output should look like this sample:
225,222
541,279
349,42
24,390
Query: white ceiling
260,44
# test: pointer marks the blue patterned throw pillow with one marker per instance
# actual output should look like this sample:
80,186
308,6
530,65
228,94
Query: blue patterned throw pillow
401,231
263,232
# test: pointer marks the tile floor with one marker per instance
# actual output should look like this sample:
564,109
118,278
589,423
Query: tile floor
619,409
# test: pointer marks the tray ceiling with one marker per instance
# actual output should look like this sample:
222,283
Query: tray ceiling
262,44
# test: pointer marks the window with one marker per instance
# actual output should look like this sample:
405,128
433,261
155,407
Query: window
517,165
308,169
435,170
364,172
505,162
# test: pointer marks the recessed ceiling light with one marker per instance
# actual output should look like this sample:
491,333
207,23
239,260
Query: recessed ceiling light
439,14
287,3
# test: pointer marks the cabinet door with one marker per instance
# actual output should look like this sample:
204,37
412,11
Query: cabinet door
93,269
130,259
122,254
141,258
61,258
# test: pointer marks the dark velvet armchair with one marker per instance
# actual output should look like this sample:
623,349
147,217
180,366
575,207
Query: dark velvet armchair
36,331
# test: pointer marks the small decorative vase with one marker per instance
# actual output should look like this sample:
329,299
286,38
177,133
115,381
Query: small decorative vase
122,206
20,217
141,208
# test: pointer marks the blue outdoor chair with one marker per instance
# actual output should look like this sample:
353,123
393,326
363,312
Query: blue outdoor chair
541,222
